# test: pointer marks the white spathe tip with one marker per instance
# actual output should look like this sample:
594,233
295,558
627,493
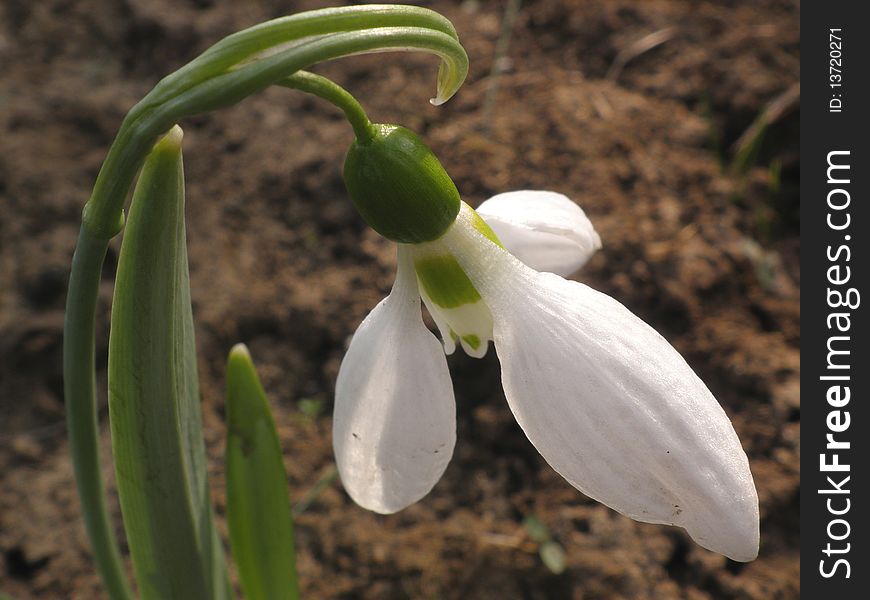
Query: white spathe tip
545,230
240,350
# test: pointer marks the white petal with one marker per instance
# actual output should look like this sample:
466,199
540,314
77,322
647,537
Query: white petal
395,417
612,406
545,230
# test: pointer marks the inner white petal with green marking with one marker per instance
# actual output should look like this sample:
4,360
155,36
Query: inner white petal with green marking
451,298
470,324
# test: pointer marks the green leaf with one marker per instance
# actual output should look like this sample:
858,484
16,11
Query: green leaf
154,407
258,508
536,529
553,557
311,407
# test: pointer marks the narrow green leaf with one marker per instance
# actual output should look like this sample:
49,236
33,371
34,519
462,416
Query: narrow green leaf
154,405
258,508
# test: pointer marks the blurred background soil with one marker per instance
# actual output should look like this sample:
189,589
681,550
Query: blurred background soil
631,108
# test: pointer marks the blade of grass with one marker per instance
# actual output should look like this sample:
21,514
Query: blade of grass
785,103
511,10
329,476
154,406
258,507
639,47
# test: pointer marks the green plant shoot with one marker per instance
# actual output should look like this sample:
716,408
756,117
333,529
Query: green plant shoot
258,508
154,407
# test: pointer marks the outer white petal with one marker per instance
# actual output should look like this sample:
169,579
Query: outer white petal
545,230
394,426
612,406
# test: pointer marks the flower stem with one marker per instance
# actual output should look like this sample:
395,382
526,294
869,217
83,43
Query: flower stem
147,121
81,408
335,94
232,69
248,43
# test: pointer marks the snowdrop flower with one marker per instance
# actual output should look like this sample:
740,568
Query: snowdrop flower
607,401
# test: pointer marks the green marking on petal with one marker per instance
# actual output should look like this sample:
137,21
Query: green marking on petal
478,223
472,340
445,282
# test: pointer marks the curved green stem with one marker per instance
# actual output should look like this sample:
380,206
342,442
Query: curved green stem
245,44
141,128
224,74
322,87
229,88
81,408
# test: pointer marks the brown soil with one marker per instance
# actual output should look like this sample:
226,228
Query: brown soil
280,260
